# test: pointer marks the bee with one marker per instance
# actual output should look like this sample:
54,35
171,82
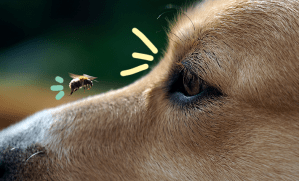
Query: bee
80,81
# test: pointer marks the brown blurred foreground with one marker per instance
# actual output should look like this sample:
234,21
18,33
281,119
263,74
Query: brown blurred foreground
18,102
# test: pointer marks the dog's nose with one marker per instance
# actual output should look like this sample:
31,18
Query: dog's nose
14,160
2,169
10,159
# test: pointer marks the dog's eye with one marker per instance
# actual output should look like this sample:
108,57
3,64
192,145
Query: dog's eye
193,84
186,87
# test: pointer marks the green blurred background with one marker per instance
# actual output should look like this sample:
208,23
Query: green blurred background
42,39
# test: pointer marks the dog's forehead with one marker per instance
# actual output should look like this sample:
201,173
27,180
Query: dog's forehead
193,25
236,28
188,31
202,14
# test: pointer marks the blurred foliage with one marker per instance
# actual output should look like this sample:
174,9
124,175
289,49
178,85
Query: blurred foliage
45,38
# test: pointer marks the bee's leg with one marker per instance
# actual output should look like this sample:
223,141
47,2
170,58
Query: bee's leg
84,89
73,90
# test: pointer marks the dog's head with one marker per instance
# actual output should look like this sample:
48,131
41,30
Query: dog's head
222,104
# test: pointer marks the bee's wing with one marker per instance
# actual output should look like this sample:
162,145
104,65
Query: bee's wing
74,76
90,77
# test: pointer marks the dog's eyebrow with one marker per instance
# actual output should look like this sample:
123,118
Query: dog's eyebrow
193,66
199,62
212,56
192,62
188,64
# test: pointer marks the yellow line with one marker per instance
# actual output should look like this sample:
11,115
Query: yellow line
134,70
143,56
145,40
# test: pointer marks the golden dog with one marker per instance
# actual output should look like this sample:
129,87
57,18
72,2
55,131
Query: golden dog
223,104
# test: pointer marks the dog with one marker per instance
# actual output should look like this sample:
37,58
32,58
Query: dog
222,104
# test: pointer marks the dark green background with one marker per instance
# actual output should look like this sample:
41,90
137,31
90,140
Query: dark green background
41,39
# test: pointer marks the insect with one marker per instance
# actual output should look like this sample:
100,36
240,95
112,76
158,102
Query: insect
80,81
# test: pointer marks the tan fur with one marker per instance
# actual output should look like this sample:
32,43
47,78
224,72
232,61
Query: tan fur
248,50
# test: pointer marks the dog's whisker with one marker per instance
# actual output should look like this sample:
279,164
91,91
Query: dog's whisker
39,152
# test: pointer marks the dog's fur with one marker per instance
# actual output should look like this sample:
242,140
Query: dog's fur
244,125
